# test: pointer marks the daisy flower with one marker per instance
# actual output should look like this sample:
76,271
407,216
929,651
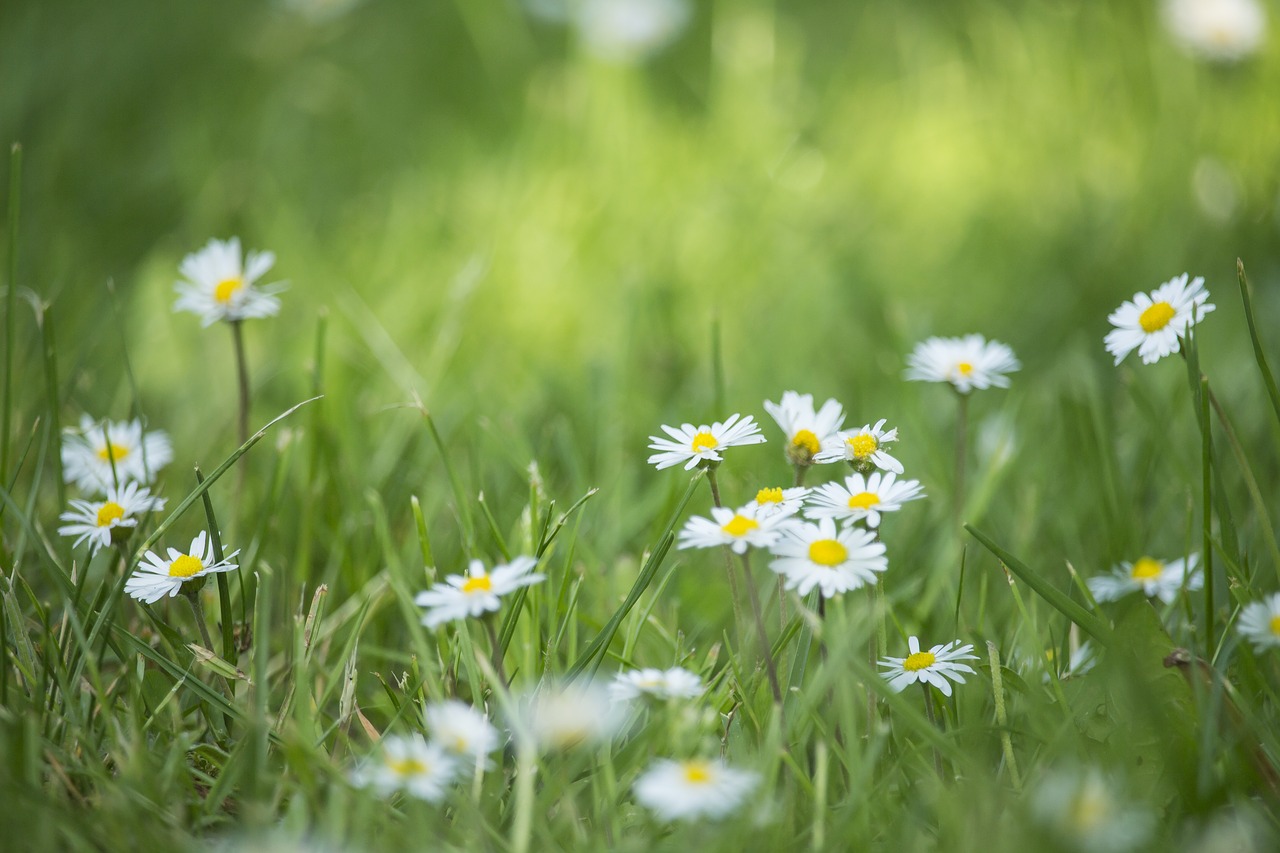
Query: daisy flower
967,363
1220,30
89,453
932,667
836,561
1155,323
863,448
806,431
779,501
739,529
1153,577
1260,623
109,520
862,498
462,730
629,30
685,790
408,764
477,592
1082,810
674,683
698,444
157,577
217,285
559,718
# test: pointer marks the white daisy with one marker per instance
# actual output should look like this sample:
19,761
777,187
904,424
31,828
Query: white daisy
559,718
967,363
411,764
862,498
836,561
462,730
739,529
1082,810
89,454
1081,660
629,30
156,577
806,431
863,448
932,667
695,444
779,501
674,683
1153,577
476,592
686,790
1221,30
218,286
1260,623
111,519
1155,323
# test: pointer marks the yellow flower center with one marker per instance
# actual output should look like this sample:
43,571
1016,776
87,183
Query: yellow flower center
227,288
185,566
740,525
109,512
1156,317
480,583
704,441
697,772
806,439
1088,809
1146,569
864,500
1274,625
863,445
918,661
964,368
828,552
769,496
406,766
112,451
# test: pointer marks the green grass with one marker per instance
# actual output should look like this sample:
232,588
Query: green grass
508,264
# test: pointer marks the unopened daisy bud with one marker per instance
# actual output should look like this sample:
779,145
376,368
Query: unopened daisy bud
1163,580
111,520
806,431
701,445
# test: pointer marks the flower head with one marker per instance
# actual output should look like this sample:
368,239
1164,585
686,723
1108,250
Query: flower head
476,592
630,30
462,730
1154,323
806,431
101,455
835,561
739,529
111,519
1152,576
564,717
932,667
1083,811
408,764
775,500
863,448
1221,30
685,790
674,683
862,498
967,363
157,577
696,444
217,286
1260,622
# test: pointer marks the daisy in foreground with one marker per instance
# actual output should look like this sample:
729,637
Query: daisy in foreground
835,561
967,363
674,683
932,667
1260,623
217,285
863,448
806,431
738,529
423,770
1154,323
862,498
1084,811
476,592
157,577
102,455
1151,576
685,790
111,519
692,445
462,730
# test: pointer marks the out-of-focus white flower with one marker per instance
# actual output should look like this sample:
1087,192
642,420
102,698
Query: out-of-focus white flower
462,730
629,30
1154,323
423,770
1260,623
967,363
739,529
806,431
1221,30
1151,576
111,519
674,683
932,667
564,717
862,498
90,453
687,790
863,448
477,592
217,286
776,500
157,577
696,444
1084,812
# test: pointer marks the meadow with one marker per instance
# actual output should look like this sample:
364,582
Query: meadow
506,250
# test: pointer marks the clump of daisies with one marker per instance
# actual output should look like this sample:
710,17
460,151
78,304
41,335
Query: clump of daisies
1155,323
1154,578
218,283
110,520
105,455
688,790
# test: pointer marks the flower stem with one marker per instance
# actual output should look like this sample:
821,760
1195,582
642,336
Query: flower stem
496,645
1002,717
728,556
962,429
765,650
933,718
197,610
242,376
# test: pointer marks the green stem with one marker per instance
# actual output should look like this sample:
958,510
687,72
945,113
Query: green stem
496,645
1206,455
242,377
1002,717
962,429
765,648
933,718
11,306
728,556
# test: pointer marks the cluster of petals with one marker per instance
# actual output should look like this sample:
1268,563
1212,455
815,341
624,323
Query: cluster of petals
477,592
934,666
834,561
674,683
1154,323
863,448
806,431
1260,622
968,363
738,529
219,284
688,790
1152,577
157,577
862,498
111,519
690,445
102,455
